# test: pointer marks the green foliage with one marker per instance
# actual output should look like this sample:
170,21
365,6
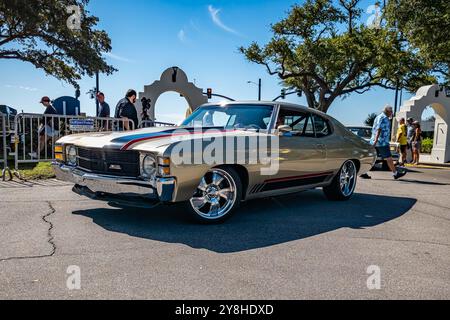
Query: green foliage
424,25
39,171
37,32
322,49
427,145
370,119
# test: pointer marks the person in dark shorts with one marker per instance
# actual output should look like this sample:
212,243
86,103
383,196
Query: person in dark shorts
381,136
416,143
126,110
410,135
49,129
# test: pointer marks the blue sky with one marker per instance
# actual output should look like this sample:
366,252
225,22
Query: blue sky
201,37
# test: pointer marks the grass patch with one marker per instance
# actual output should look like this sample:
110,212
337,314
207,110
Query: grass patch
39,171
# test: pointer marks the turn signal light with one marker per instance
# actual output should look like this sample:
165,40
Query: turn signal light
59,157
59,149
164,171
164,161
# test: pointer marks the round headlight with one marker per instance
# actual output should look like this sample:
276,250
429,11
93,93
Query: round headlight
149,166
71,155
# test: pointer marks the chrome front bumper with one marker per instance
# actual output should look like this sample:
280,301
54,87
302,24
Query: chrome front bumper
163,189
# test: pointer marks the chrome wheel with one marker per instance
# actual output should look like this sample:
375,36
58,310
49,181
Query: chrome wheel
347,178
215,195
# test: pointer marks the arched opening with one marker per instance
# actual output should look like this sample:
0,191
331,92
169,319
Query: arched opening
427,122
434,128
170,108
427,125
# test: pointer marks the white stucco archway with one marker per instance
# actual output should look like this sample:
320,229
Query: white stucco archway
438,99
172,79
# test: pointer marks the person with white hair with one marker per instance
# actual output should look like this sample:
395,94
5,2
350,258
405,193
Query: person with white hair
381,136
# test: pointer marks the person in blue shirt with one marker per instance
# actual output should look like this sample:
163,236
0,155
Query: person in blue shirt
381,137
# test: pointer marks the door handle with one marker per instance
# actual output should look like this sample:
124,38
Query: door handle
320,145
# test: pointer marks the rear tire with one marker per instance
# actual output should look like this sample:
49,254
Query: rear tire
218,195
344,183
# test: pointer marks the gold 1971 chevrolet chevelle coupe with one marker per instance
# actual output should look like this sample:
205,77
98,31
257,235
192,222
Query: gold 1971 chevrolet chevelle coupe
221,155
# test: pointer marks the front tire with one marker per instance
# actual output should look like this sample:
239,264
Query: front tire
217,196
343,185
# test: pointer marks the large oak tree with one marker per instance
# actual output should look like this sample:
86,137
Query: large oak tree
425,26
40,32
324,49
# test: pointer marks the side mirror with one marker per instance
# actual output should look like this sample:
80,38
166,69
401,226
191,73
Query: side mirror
284,128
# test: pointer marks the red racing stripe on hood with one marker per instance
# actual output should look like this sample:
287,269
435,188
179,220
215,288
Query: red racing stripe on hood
133,142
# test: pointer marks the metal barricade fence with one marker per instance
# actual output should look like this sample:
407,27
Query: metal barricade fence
3,142
35,135
151,124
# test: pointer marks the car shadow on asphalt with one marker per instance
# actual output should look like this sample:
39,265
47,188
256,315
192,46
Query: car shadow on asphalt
257,224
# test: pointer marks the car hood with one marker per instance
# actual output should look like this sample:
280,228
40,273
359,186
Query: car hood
148,139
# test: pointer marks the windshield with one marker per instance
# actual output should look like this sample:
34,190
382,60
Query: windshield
365,133
231,117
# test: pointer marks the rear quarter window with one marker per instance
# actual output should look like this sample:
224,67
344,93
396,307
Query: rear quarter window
322,126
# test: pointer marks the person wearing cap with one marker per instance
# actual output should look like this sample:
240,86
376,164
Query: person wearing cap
411,129
416,142
410,135
49,128
381,136
126,110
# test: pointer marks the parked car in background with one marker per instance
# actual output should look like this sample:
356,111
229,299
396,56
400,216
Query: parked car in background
313,151
365,133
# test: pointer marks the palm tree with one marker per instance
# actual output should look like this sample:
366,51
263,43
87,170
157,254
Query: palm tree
370,119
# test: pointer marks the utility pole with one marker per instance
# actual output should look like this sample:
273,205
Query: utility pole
393,121
97,90
259,84
259,89
397,90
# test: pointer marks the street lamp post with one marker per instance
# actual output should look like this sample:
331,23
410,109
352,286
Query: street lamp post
97,90
259,89
259,84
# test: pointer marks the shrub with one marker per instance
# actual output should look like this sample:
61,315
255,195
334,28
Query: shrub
427,145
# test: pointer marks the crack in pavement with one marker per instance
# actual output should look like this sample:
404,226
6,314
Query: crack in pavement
430,215
434,205
403,240
49,235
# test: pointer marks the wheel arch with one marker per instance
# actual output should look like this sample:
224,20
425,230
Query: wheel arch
357,164
243,174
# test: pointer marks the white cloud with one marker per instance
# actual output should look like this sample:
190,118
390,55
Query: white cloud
218,22
194,26
22,88
116,57
182,36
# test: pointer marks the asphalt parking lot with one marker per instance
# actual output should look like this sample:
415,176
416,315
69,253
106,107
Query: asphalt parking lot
291,247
